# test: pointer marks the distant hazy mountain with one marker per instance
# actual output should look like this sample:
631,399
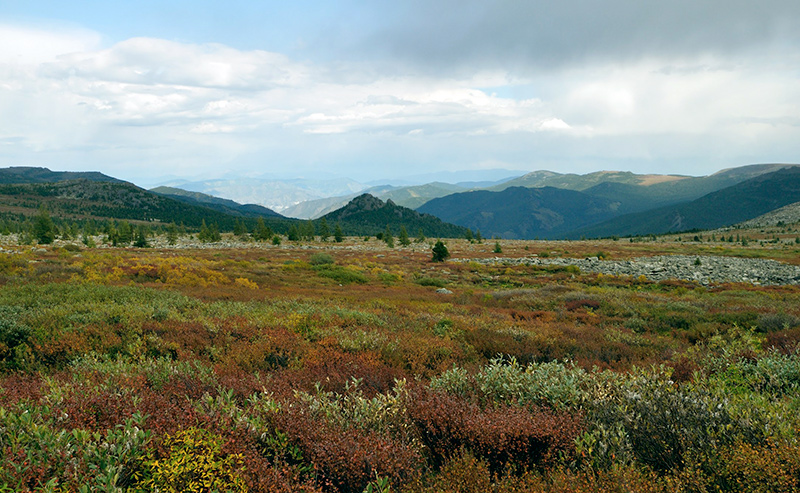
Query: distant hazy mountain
216,203
25,174
487,176
520,212
274,194
740,202
411,197
653,189
368,215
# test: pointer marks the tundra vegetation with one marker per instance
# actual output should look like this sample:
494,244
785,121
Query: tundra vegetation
338,367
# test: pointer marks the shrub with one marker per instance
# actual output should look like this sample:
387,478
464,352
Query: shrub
661,424
193,462
773,322
341,275
349,458
431,281
321,259
503,436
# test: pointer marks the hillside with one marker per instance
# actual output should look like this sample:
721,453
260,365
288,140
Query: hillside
216,203
731,205
84,199
26,174
368,215
408,196
522,213
641,192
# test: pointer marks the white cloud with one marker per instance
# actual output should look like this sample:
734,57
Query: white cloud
165,106
29,46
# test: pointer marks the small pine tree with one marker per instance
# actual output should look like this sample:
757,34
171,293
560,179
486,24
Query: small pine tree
262,231
388,238
403,237
323,230
44,230
440,252
478,236
497,247
468,235
140,240
420,236
338,235
293,234
239,228
204,235
307,231
172,234
124,233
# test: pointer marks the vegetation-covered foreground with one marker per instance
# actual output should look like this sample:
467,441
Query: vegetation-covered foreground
341,368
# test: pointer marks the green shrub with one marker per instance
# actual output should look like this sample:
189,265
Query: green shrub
194,461
431,281
321,259
340,274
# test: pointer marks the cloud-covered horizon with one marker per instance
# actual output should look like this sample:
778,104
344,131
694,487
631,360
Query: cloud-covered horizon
578,86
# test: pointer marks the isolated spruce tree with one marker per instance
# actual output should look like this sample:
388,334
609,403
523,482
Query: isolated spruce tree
323,230
420,236
403,237
44,230
338,235
440,252
388,237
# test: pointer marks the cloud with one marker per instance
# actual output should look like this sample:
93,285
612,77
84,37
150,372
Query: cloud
524,36
26,46
498,84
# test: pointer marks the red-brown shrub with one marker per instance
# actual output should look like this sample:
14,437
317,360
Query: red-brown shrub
784,341
573,305
349,458
18,386
526,437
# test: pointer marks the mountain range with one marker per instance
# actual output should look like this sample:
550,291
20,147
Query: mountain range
628,204
541,204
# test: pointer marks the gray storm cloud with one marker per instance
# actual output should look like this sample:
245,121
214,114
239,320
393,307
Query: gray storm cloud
524,35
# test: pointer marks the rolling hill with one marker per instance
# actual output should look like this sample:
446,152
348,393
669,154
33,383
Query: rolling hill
26,174
740,202
368,215
216,203
522,213
408,196
85,199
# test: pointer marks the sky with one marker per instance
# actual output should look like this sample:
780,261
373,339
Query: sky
375,89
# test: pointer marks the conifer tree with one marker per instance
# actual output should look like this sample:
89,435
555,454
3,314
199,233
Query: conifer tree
403,236
387,237
440,252
338,235
44,230
323,230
